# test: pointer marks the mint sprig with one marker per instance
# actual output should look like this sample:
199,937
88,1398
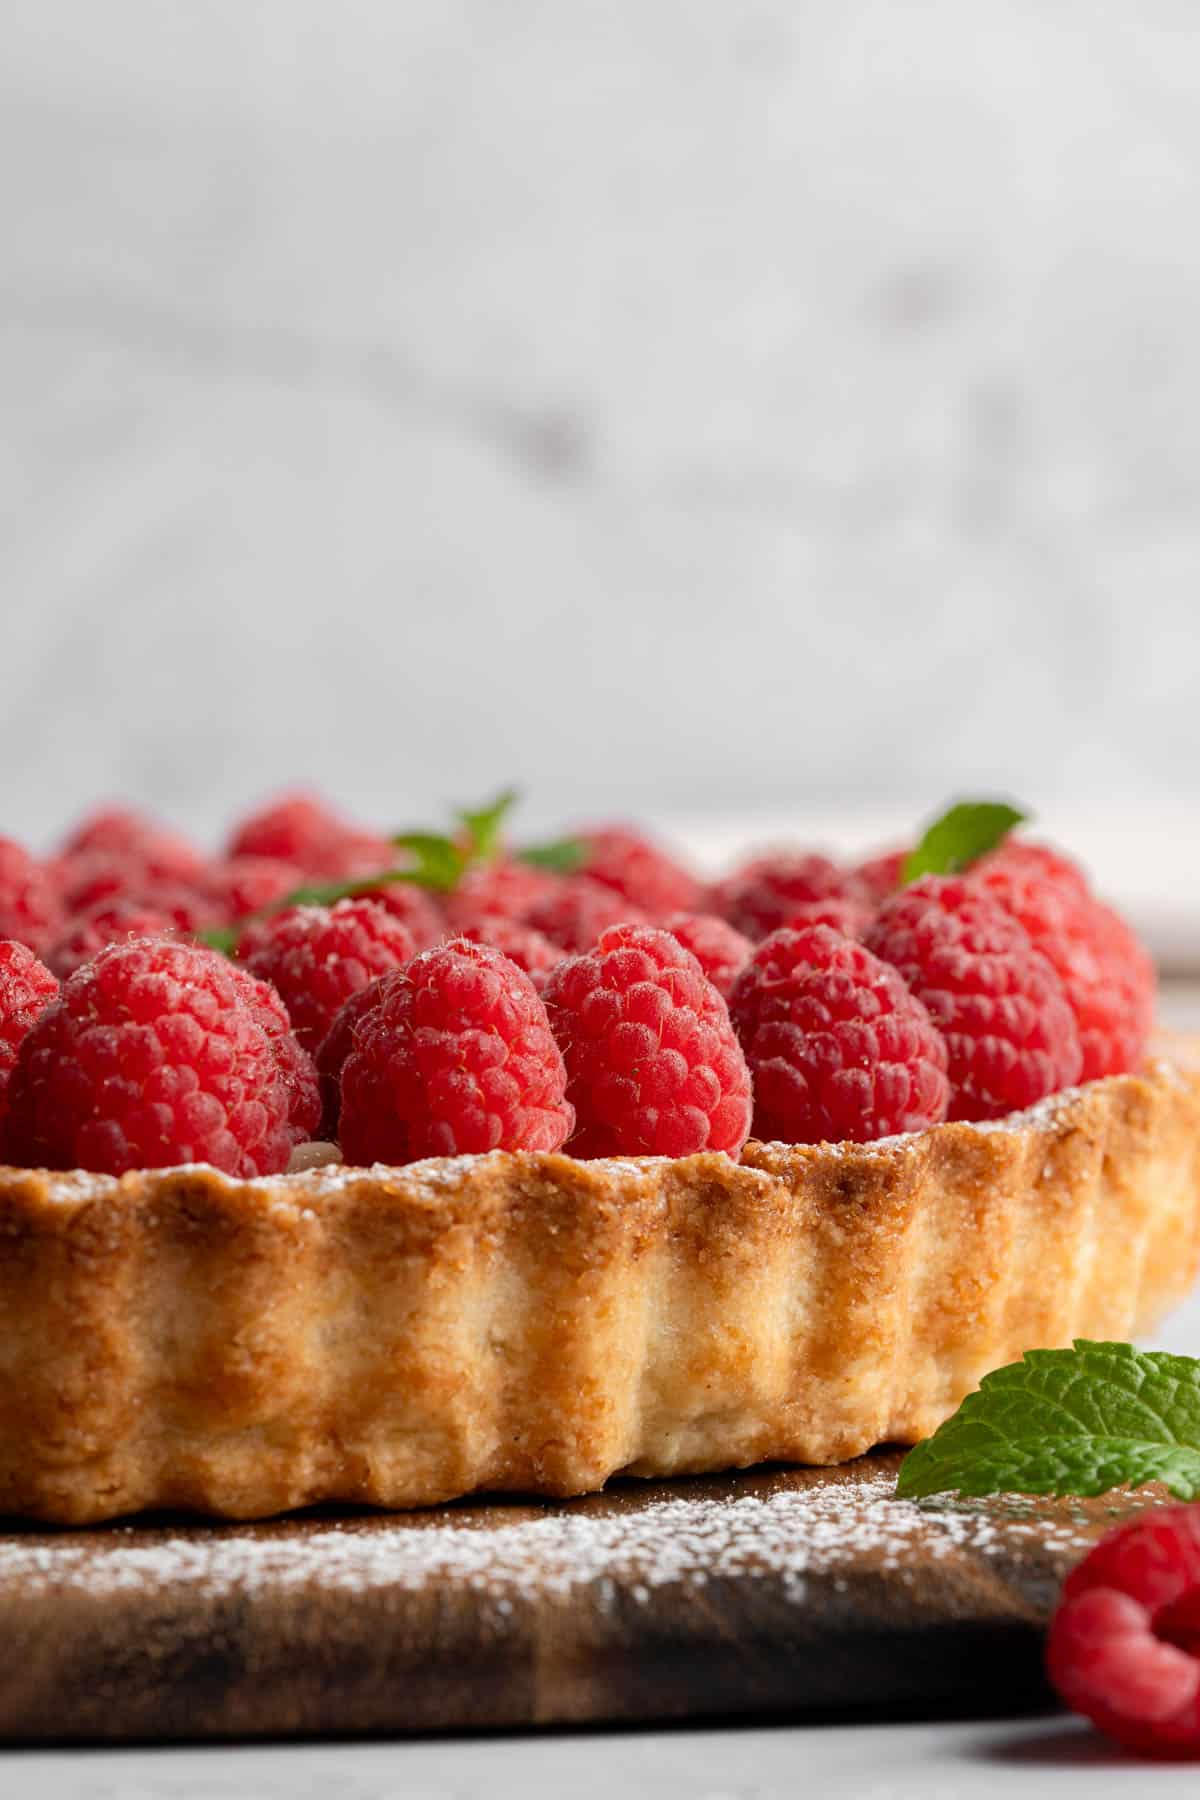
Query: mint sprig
960,836
1077,1421
432,860
562,857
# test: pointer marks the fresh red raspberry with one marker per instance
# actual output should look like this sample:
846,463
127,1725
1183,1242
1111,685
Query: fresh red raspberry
30,909
336,1046
623,859
414,907
119,831
838,1046
293,828
300,828
241,885
296,1067
315,957
716,946
1107,975
764,893
655,1068
1018,856
156,1054
1124,1644
110,923
578,910
1011,1035
94,878
502,888
879,875
847,915
26,989
353,855
456,1058
520,943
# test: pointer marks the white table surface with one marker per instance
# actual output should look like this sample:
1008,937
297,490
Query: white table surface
937,1761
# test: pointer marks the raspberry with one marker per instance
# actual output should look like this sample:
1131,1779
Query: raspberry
1016,855
838,1046
456,1058
317,956
501,888
111,921
716,946
95,878
1106,974
578,910
413,907
156,1054
26,989
294,828
300,828
118,831
30,910
764,893
1124,1644
241,885
847,915
1011,1035
622,859
879,875
520,943
654,1066
336,1046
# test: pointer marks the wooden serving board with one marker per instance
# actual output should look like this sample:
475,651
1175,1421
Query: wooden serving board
780,1591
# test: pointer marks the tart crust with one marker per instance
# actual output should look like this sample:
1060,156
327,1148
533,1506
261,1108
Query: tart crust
176,1338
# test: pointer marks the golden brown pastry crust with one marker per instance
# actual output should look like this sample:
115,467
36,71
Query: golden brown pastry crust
177,1338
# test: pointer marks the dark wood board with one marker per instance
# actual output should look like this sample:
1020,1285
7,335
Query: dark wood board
779,1591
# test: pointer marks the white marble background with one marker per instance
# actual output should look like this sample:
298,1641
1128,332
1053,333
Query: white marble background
700,406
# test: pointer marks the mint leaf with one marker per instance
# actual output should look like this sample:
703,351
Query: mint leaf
483,827
1075,1421
963,834
562,857
437,861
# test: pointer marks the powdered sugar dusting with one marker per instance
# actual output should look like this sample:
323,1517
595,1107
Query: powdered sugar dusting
789,1533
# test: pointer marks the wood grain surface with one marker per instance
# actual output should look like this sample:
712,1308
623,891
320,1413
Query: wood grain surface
775,1592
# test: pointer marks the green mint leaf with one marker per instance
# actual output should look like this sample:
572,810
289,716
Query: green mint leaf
562,857
438,862
963,834
483,827
220,937
1077,1421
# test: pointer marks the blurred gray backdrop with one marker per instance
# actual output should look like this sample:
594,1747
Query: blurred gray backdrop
699,406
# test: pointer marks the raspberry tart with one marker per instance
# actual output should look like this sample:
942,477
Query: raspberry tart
772,1169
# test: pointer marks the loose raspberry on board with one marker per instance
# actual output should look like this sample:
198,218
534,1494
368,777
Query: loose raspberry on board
1124,1643
838,1046
655,1068
456,1058
1011,1036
